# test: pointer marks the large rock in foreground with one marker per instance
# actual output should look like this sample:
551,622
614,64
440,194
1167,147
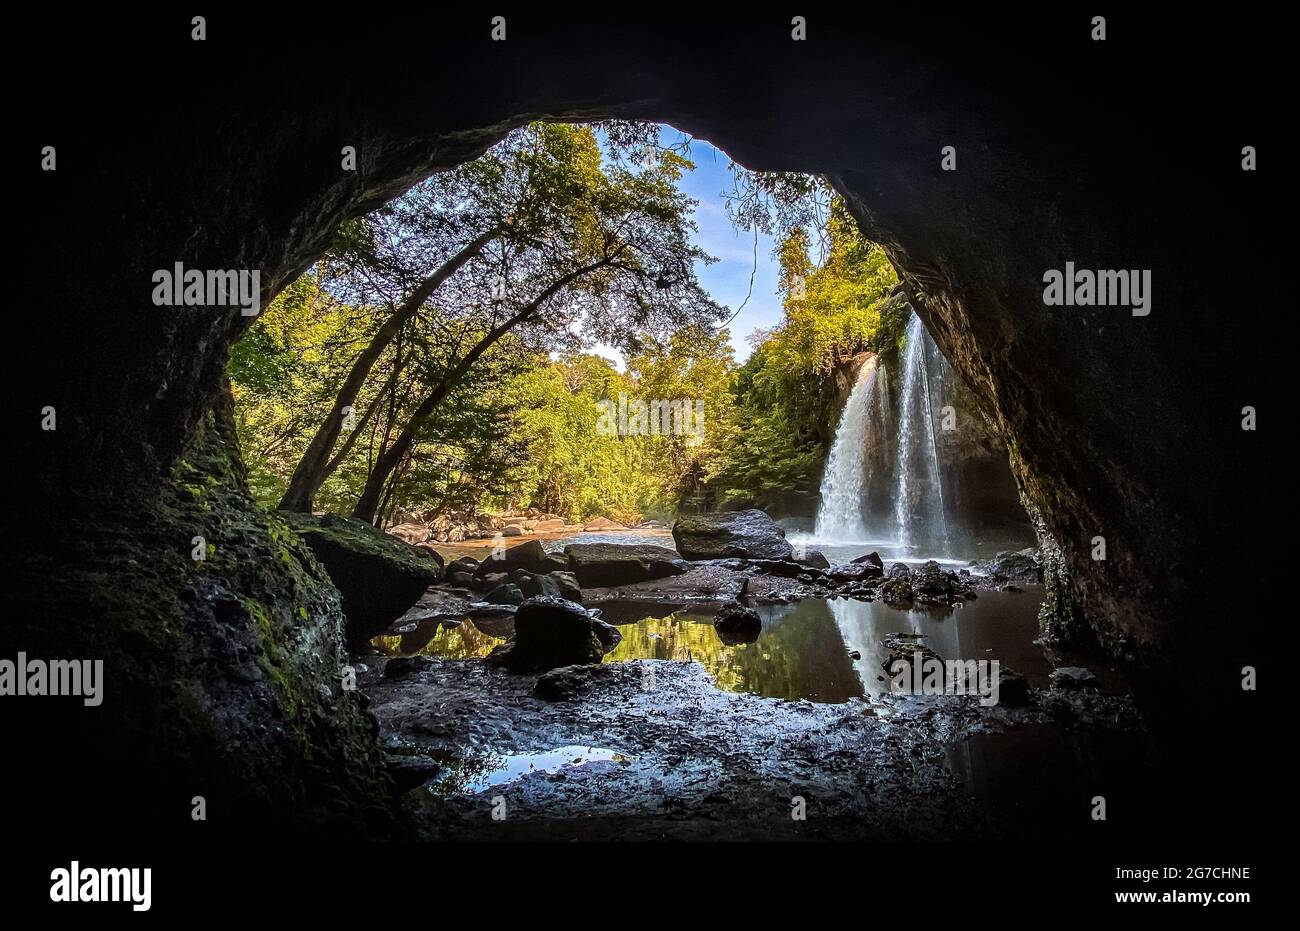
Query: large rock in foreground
551,632
603,564
378,575
748,534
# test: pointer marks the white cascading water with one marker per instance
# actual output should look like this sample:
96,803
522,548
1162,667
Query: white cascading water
839,515
917,497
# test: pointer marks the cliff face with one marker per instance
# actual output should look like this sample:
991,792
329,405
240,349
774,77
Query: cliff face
1103,414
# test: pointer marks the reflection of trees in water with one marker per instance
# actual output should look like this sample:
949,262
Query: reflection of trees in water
804,658
801,655
432,638
460,775
673,637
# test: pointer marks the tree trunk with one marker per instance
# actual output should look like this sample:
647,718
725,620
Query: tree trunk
315,465
368,504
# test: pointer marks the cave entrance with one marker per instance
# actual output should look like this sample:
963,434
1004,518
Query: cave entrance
726,342
141,461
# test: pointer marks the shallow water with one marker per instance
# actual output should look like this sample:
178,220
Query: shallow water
891,551
479,772
803,651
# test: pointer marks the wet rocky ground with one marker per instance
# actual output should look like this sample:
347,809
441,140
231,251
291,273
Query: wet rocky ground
653,749
788,730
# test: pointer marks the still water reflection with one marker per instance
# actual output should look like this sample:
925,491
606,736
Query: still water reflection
803,650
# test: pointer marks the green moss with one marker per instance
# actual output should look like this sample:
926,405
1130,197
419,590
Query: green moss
224,658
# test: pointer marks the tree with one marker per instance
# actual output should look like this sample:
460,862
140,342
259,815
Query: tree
613,258
398,259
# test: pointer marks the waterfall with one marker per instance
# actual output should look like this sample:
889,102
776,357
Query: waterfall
839,516
918,492
904,498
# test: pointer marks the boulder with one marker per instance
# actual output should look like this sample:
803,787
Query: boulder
552,632
529,555
748,534
430,552
559,584
870,559
737,624
602,525
608,635
931,584
508,594
814,559
605,564
512,530
463,564
490,580
853,572
1013,688
378,575
460,579
1022,566
906,650
554,562
549,525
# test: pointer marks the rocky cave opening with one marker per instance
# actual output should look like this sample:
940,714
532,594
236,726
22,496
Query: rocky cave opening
223,683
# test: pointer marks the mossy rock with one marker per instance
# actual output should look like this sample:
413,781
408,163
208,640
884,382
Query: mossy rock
223,672
379,576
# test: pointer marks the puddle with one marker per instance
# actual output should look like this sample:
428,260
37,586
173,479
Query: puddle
480,772
803,650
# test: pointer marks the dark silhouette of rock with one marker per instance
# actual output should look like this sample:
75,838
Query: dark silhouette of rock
737,624
1013,688
410,770
378,575
508,594
782,567
552,632
558,584
1022,566
849,572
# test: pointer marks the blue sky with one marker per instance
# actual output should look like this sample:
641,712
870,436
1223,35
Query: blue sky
726,280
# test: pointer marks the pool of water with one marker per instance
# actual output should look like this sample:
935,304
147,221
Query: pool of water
804,650
478,772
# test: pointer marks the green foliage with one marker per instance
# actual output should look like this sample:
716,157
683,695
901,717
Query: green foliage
786,392
590,249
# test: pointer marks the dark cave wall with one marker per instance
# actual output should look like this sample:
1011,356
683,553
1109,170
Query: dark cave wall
227,156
